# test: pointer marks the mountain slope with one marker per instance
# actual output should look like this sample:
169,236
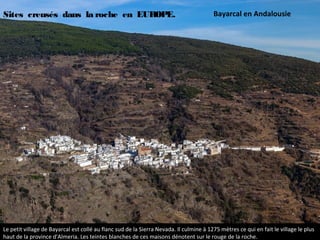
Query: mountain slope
93,85
182,58
22,38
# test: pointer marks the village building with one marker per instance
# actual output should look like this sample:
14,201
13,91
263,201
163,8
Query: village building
129,150
143,150
315,154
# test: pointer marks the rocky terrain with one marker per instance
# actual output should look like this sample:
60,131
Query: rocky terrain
189,90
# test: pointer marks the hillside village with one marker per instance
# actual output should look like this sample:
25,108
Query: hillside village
130,150
126,151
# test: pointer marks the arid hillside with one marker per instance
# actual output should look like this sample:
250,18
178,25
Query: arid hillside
156,87
96,98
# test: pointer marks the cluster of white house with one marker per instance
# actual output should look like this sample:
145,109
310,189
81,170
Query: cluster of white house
126,151
130,150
